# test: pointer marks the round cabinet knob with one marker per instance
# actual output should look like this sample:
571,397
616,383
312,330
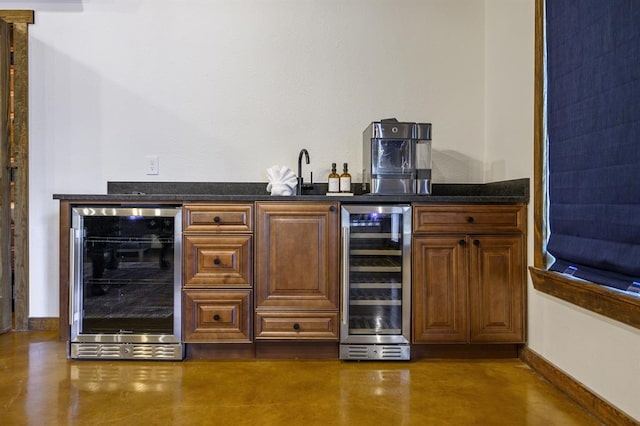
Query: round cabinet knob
462,243
296,326
217,219
469,219
216,261
332,209
476,242
216,317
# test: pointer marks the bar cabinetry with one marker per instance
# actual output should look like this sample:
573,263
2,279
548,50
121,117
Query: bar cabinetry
218,273
297,271
469,273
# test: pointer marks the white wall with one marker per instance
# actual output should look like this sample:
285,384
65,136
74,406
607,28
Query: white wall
601,354
223,89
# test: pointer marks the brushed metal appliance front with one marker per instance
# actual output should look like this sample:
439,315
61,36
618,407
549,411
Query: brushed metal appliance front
125,283
376,282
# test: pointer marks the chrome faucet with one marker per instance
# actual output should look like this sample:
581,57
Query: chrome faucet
300,178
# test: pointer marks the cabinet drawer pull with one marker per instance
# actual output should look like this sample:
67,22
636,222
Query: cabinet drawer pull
296,326
217,219
469,219
462,243
216,317
216,261
476,242
332,208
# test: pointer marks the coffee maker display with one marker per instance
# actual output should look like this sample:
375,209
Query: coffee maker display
397,157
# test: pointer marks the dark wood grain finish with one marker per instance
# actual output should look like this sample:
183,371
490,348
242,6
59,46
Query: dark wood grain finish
440,301
5,180
468,219
223,218
465,351
44,324
20,135
63,272
17,16
307,325
297,271
267,349
220,351
217,316
297,256
596,298
497,286
540,257
218,261
469,287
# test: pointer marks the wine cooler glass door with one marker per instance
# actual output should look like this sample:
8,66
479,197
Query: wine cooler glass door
376,274
126,265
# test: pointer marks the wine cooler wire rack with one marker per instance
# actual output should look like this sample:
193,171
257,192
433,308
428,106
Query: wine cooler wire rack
130,240
375,282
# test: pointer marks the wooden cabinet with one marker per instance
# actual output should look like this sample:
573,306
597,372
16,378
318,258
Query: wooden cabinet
220,218
469,274
297,270
307,324
218,273
217,316
217,261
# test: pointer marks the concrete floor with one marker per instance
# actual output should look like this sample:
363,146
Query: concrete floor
40,386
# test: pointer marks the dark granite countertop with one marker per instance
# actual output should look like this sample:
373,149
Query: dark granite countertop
511,191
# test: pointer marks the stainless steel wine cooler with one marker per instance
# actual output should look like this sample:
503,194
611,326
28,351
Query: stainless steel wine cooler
125,265
376,281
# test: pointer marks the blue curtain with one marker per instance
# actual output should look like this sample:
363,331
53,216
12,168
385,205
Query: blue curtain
593,122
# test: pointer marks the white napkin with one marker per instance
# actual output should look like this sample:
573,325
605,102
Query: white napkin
282,180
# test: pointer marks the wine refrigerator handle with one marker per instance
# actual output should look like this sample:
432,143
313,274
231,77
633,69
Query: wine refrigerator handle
72,267
345,273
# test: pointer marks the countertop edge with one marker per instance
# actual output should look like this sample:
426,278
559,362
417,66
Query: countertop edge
513,191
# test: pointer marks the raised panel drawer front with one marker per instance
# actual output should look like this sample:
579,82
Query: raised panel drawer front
218,217
217,316
469,218
297,325
222,261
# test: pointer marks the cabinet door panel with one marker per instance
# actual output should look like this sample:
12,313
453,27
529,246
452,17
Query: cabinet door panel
496,283
440,313
297,255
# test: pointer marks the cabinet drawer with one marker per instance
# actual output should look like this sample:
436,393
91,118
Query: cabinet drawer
223,261
297,325
218,217
469,218
217,316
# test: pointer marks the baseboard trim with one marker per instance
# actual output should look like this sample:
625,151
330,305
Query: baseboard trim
603,411
44,324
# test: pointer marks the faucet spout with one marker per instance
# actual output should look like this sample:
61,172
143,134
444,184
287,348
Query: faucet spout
305,153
